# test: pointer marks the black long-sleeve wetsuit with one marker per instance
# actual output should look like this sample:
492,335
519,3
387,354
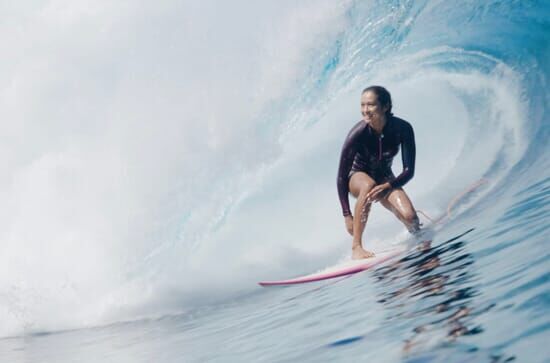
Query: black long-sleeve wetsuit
365,150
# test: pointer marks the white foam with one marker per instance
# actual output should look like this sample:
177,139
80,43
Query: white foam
127,128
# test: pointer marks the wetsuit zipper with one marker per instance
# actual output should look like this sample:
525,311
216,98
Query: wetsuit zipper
380,147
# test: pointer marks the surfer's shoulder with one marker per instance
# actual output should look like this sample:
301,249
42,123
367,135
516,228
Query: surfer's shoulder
400,122
357,129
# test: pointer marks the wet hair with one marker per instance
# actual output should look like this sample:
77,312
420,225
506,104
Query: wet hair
383,95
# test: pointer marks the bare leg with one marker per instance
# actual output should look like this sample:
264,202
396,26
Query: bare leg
360,184
399,204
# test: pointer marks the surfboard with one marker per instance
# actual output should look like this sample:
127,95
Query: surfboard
343,269
355,266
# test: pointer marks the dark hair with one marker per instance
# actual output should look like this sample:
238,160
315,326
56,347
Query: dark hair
383,95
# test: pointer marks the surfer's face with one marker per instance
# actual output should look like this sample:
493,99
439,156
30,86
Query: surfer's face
371,109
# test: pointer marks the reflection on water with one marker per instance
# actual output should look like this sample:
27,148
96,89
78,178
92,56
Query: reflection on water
433,289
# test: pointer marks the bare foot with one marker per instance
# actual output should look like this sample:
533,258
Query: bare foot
359,252
424,246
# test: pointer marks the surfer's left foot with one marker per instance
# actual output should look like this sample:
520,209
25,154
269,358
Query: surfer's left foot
358,252
424,246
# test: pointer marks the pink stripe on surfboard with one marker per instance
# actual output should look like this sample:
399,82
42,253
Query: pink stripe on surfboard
332,274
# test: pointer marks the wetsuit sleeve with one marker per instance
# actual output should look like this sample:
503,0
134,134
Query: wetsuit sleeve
408,155
346,161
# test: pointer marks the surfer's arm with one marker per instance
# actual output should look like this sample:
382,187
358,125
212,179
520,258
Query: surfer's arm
346,161
408,156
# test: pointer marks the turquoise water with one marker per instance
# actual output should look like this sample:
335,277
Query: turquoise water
471,78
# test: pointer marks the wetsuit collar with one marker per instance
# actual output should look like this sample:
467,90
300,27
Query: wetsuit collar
384,129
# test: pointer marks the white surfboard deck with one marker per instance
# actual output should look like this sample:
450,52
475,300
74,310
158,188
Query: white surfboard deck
342,269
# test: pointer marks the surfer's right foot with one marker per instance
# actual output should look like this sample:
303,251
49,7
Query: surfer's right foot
358,252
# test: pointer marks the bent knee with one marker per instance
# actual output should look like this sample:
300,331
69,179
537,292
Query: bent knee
364,190
360,184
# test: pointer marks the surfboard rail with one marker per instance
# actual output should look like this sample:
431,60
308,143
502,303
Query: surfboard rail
348,268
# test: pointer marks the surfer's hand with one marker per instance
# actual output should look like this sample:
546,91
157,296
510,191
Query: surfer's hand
375,193
349,224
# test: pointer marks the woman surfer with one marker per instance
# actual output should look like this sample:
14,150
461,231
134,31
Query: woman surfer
365,166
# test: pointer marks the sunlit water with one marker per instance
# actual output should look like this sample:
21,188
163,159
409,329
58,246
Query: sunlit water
166,270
